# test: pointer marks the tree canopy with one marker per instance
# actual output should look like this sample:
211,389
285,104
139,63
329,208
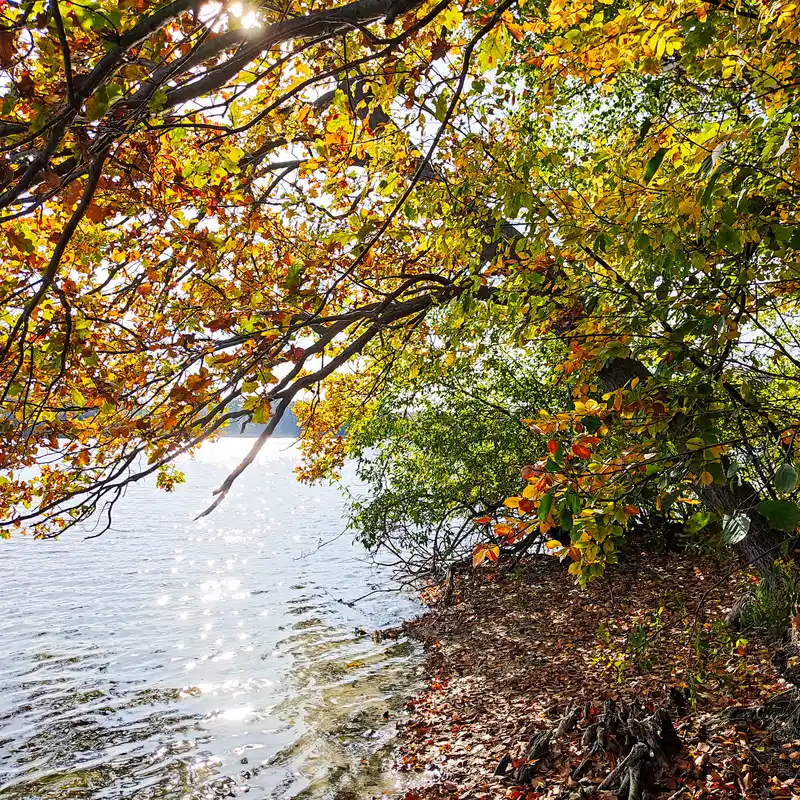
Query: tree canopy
439,451
210,210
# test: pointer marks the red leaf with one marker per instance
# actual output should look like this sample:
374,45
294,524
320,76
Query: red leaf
7,48
525,505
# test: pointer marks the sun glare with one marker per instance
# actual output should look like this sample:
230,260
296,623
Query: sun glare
242,15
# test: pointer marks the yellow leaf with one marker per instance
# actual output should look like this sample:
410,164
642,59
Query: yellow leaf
634,383
530,491
706,478
452,18
553,544
575,568
511,502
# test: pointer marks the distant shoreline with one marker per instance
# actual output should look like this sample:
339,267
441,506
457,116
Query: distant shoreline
287,428
255,435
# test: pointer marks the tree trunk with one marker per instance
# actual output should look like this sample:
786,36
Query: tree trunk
759,548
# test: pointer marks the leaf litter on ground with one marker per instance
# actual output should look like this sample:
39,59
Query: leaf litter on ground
519,646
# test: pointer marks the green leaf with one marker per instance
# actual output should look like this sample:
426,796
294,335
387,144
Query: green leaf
728,238
565,517
157,100
697,522
715,468
545,506
786,478
709,190
780,514
441,106
735,527
653,164
644,130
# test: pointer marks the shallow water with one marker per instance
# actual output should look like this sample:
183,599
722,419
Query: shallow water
180,659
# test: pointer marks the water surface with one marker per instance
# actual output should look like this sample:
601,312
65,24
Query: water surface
180,659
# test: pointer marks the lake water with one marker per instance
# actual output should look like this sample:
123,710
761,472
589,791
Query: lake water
179,659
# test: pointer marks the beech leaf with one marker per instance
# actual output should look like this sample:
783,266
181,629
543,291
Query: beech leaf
786,478
653,164
781,514
735,527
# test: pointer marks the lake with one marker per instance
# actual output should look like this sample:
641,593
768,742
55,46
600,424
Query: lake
180,659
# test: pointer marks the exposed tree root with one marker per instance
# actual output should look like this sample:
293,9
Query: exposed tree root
780,714
637,746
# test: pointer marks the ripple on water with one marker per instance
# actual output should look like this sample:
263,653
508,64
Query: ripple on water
175,659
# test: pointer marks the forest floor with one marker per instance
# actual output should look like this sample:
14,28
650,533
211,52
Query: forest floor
519,645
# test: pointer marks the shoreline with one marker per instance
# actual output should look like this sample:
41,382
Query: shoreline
519,648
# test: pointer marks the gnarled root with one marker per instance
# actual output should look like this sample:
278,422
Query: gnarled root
640,743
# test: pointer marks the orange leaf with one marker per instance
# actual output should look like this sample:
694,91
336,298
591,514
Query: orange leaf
482,520
97,213
484,551
581,450
631,510
7,48
478,554
552,447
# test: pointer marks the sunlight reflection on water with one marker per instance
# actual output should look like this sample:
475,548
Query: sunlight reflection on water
179,659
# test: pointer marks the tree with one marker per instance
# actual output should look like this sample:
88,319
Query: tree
159,267
193,205
436,453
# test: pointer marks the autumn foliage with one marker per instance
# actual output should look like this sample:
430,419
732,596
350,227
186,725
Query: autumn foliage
218,206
